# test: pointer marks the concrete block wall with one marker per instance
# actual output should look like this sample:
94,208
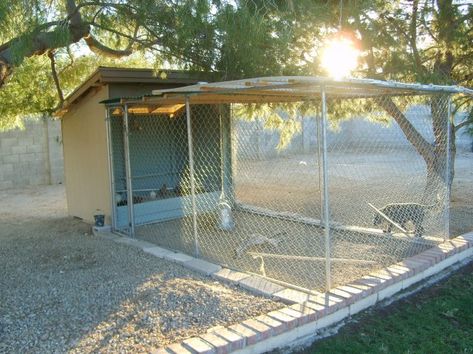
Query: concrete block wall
56,158
31,156
257,142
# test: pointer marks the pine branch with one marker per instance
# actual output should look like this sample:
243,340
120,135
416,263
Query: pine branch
132,38
71,62
56,78
413,37
463,124
103,5
101,49
44,41
424,22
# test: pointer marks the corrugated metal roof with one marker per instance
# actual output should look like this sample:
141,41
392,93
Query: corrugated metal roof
283,89
303,84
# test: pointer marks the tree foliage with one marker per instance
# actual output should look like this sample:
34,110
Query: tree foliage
62,41
419,41
236,39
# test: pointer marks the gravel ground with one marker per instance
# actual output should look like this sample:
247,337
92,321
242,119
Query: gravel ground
64,290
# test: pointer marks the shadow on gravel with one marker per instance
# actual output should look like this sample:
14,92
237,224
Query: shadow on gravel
64,290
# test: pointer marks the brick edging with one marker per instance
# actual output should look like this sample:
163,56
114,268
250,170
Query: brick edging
297,321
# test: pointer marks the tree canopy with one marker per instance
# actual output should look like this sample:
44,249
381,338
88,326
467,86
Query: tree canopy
59,42
49,46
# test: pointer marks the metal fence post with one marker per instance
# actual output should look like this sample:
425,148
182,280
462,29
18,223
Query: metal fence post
318,127
447,168
108,123
326,211
128,175
226,172
191,177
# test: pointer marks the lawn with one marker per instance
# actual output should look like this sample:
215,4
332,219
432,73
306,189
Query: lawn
436,320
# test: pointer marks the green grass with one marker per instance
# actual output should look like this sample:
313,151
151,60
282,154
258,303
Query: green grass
436,320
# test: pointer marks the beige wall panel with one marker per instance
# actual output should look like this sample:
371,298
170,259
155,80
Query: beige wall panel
85,157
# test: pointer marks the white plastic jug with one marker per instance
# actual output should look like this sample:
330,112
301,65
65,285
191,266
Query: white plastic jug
226,218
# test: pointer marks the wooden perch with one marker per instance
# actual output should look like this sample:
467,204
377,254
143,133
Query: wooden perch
307,258
404,231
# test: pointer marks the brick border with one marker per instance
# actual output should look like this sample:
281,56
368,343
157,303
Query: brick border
305,314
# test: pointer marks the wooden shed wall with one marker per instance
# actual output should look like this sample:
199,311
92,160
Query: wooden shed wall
86,167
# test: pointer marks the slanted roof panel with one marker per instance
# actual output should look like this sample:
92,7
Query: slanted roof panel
300,85
107,75
283,89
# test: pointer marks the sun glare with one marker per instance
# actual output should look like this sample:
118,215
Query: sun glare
340,57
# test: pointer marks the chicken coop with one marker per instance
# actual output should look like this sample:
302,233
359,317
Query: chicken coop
307,181
84,137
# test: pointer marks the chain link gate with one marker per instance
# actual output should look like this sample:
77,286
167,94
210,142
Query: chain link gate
313,194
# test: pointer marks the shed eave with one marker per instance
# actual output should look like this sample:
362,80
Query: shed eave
110,75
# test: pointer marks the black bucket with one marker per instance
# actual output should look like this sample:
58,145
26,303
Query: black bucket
99,220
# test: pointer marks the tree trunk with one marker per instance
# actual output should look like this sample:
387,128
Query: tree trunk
437,181
438,158
441,168
46,40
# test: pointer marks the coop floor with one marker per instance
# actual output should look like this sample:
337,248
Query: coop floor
292,251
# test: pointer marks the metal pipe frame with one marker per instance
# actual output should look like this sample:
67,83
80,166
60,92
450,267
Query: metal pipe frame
129,185
222,156
318,126
108,123
191,177
326,207
447,168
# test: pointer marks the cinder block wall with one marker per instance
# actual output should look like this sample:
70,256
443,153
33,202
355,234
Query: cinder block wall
256,142
31,156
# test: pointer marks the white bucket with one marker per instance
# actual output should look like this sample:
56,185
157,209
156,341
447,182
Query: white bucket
226,218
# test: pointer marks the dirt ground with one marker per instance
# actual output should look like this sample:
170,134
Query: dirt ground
290,185
298,255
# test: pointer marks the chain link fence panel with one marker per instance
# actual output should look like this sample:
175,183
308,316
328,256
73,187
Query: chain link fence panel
247,193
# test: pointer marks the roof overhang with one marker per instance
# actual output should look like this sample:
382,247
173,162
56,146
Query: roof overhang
108,75
282,89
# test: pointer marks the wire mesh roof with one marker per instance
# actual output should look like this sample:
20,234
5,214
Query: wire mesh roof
285,89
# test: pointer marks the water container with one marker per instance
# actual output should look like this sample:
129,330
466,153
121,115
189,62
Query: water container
226,218
99,220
